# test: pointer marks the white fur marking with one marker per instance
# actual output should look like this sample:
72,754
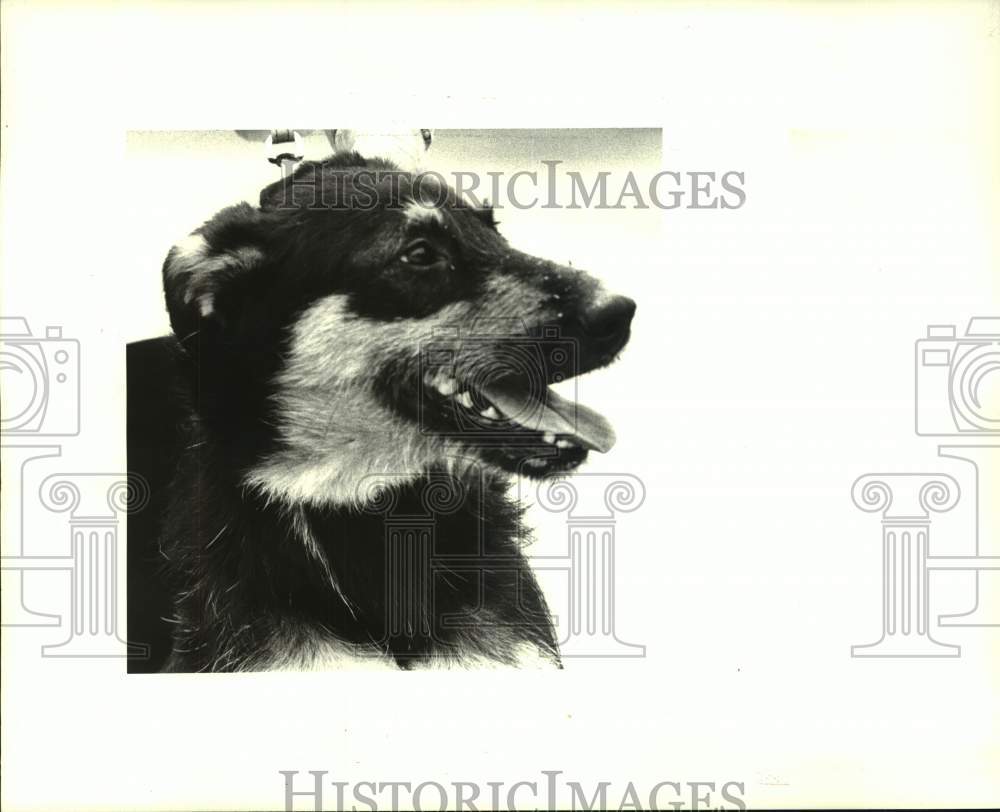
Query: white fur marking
188,252
417,212
304,532
338,436
193,260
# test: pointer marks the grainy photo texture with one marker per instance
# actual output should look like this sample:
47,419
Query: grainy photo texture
360,366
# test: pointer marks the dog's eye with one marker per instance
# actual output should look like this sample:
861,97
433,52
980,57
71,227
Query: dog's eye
421,253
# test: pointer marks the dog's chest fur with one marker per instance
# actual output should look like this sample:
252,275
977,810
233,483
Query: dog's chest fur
427,573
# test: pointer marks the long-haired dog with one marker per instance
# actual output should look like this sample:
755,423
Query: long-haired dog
367,363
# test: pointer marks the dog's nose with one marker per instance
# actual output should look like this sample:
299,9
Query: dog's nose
610,320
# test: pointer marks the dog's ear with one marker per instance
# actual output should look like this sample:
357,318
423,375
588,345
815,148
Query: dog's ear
204,272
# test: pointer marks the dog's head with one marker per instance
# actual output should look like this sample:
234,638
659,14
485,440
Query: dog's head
362,321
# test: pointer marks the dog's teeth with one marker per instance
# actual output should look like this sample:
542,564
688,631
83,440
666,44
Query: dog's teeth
563,444
549,437
465,399
491,413
447,387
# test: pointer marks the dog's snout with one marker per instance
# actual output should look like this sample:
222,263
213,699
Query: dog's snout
610,320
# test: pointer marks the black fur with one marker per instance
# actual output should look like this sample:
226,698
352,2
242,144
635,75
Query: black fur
254,595
251,590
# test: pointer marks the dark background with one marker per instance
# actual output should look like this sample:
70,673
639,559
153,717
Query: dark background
154,420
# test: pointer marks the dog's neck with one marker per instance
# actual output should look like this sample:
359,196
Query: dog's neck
416,575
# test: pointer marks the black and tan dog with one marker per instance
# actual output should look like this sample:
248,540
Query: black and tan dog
365,346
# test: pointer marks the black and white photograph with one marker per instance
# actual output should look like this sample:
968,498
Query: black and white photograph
359,365
623,436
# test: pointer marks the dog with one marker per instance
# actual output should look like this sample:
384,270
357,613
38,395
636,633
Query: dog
354,419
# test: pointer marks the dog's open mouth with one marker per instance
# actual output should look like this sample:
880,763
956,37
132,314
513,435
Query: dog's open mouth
496,396
513,420
559,420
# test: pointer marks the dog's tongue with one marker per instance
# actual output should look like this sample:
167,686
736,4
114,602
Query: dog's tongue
555,414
